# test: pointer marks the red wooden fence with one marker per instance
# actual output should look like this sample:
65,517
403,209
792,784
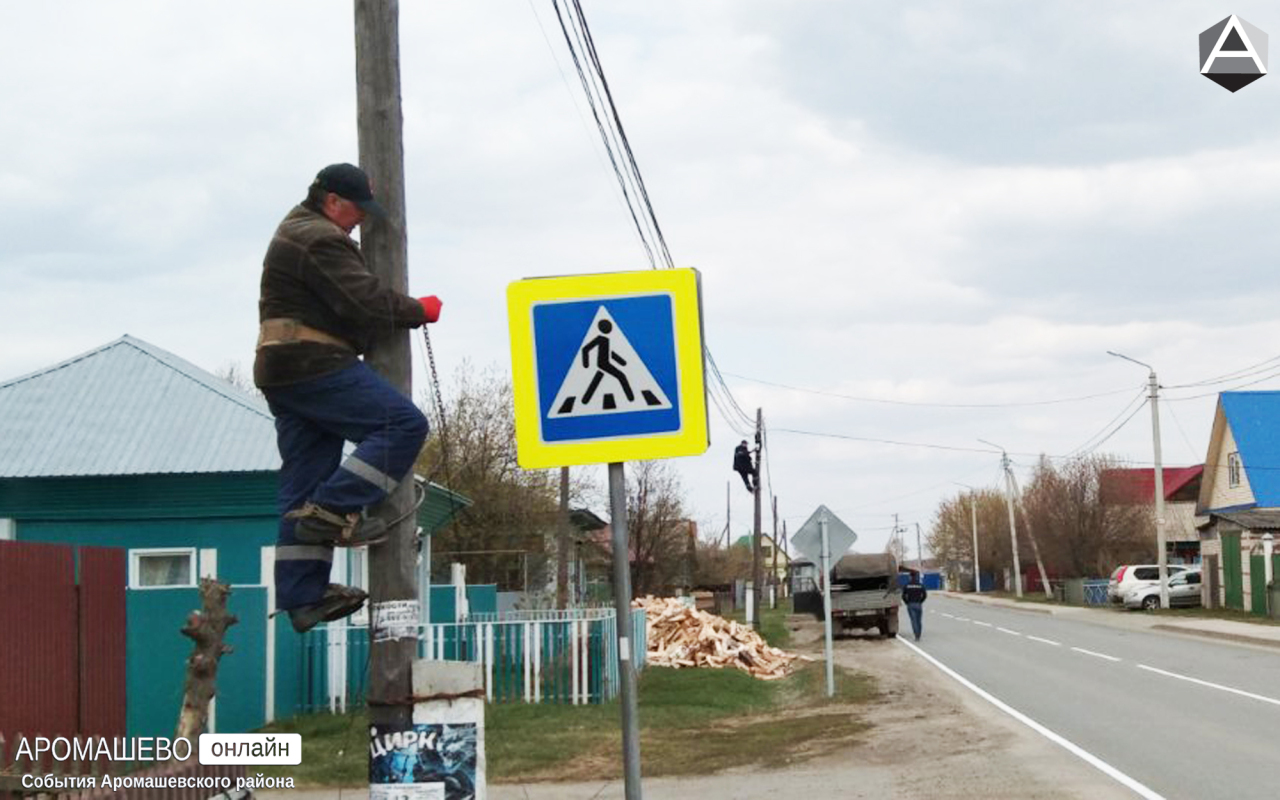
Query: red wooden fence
62,640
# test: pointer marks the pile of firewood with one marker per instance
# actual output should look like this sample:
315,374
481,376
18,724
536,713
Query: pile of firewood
680,636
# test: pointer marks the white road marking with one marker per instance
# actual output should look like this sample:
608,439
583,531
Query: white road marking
983,624
1273,701
962,619
948,616
1006,630
1057,739
1046,641
1091,653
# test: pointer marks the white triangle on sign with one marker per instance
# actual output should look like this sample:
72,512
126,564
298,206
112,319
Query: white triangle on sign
607,376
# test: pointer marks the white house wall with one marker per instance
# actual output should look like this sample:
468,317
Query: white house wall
1223,494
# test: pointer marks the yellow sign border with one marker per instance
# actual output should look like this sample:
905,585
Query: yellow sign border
692,439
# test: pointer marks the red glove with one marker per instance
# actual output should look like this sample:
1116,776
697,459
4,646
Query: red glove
431,307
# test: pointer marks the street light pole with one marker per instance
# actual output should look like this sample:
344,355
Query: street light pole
973,512
1162,557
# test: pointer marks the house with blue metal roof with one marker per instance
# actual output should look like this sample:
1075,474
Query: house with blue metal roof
1239,502
130,446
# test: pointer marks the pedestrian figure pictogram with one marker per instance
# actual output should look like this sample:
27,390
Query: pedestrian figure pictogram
607,376
603,365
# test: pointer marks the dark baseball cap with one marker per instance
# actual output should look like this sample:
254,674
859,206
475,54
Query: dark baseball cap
350,183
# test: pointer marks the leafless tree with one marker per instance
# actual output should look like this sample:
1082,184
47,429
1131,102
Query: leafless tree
1083,536
719,565
658,526
951,536
234,374
503,535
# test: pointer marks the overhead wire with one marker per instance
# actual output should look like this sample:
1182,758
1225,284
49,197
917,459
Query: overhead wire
1141,393
923,404
622,134
1178,424
1113,432
1237,387
586,87
626,169
1228,376
564,79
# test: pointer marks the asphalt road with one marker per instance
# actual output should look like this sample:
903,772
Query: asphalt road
1171,716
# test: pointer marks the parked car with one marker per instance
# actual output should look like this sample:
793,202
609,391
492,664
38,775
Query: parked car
1130,576
1184,591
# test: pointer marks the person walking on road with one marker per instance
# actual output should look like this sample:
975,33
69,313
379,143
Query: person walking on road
914,595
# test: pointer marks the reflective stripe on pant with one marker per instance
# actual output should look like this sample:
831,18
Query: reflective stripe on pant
313,421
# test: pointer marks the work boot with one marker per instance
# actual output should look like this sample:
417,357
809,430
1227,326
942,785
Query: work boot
338,602
318,525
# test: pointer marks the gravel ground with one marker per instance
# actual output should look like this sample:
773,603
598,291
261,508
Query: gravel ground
932,738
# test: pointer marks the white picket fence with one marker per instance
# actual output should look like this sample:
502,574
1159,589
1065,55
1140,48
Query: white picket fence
549,656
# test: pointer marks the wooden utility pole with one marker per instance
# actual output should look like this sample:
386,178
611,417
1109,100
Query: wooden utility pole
728,517
755,539
562,543
380,126
1035,548
773,576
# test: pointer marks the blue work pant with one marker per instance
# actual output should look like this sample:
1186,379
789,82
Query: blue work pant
314,419
916,612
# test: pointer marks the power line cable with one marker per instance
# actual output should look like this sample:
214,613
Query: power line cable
1123,411
1263,379
597,87
1228,376
922,404
619,197
1114,431
622,134
1178,424
586,87
613,135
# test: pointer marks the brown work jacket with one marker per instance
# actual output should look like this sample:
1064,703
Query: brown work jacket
314,272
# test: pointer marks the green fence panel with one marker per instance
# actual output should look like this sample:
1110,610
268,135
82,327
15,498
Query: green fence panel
1258,585
1232,571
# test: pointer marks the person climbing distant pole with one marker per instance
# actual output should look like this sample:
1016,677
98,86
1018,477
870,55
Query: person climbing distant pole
743,466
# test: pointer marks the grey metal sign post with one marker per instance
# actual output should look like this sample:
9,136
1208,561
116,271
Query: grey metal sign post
622,602
826,605
822,535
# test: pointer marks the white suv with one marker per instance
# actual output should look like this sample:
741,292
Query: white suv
1131,576
1184,590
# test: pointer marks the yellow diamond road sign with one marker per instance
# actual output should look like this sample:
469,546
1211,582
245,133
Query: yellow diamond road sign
608,367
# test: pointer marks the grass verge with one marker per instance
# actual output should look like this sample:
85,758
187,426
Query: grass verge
693,721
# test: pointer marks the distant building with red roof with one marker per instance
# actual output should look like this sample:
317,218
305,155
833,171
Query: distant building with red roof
1181,491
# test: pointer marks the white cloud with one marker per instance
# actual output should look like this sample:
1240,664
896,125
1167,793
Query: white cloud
905,201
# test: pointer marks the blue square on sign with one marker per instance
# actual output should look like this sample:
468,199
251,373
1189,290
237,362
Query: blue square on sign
606,369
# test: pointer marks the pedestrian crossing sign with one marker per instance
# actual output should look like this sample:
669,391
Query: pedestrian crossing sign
607,368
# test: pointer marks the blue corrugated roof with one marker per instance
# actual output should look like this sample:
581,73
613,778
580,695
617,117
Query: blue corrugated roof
130,408
1254,418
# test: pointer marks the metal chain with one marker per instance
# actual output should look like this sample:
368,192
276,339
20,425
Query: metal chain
437,396
435,379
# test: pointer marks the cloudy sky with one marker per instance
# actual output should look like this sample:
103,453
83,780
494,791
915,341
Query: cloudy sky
916,222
